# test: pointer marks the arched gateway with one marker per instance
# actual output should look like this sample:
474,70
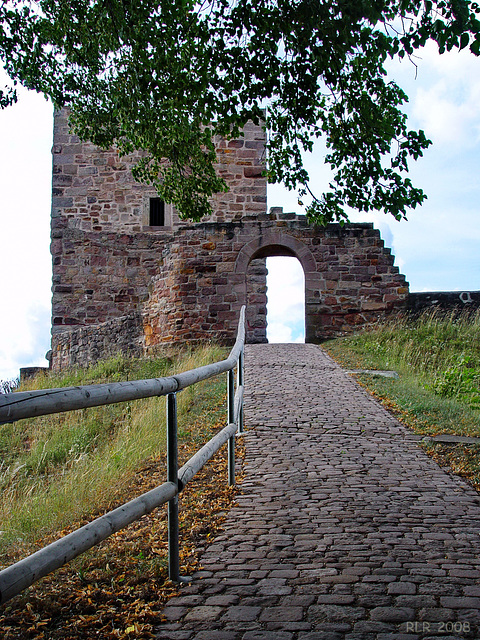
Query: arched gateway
129,276
250,264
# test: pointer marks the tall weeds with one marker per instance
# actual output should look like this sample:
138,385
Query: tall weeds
62,468
438,392
438,358
427,345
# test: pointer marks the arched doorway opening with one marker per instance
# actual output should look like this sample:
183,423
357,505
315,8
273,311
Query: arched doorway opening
250,266
285,299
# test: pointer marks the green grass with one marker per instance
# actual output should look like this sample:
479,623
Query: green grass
437,357
428,345
64,468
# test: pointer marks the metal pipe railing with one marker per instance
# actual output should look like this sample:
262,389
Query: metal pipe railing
24,573
15,406
30,404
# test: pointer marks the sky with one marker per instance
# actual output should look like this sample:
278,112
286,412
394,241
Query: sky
437,249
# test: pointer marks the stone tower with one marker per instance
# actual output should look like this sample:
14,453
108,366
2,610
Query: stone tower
130,276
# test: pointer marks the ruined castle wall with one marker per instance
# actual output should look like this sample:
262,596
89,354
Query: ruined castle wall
121,285
101,276
350,279
82,346
462,302
93,189
104,251
241,163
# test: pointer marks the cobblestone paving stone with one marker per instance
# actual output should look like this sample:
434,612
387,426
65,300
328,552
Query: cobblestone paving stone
345,529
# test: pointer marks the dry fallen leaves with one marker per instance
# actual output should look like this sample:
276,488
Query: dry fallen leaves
118,589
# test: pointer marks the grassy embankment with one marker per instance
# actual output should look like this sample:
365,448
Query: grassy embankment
59,472
438,390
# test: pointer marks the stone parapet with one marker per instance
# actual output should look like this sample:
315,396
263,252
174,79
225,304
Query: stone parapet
457,301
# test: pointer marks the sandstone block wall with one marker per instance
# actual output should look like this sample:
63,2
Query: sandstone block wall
94,190
89,344
350,279
121,285
189,287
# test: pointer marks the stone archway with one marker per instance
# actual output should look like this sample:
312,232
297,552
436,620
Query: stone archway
250,265
188,285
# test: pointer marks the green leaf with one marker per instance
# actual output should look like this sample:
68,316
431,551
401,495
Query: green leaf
475,46
464,40
167,76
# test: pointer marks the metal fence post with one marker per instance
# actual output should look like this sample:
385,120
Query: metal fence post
172,476
231,419
240,378
28,404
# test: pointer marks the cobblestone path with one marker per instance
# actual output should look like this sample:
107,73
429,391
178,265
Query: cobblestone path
344,529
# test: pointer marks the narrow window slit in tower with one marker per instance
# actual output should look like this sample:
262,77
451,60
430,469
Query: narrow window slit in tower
157,212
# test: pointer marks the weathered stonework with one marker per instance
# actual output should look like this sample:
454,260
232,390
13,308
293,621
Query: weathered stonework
94,190
443,301
89,344
121,285
349,279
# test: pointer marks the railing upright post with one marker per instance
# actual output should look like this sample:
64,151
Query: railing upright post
231,419
240,377
172,473
28,404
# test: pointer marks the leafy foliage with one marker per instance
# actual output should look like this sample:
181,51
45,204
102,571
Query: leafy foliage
461,380
166,77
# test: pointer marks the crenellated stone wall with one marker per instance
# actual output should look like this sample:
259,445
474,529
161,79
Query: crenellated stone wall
120,285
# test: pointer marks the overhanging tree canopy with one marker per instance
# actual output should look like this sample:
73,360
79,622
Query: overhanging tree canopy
166,76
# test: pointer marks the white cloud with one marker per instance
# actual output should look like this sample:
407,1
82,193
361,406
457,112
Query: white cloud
320,176
30,340
444,92
286,300
278,332
25,264
449,117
